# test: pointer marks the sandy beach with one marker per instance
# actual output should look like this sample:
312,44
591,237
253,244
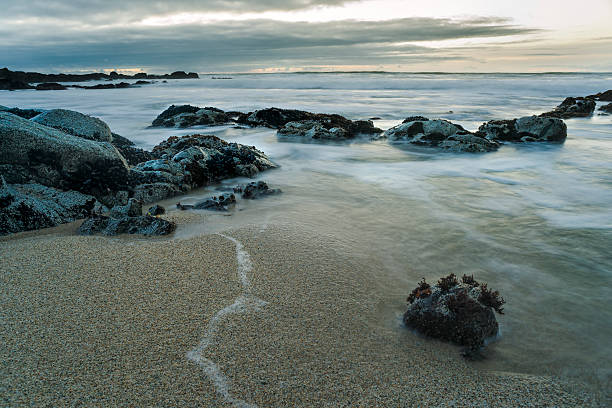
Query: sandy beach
97,321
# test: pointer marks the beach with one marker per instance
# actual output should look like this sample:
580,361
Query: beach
97,321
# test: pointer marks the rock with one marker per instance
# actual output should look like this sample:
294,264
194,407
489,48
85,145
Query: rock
460,312
35,77
31,152
12,84
525,129
141,82
312,130
76,124
25,207
216,203
50,86
120,85
439,133
132,154
132,209
143,225
415,119
156,210
24,113
606,108
602,96
254,190
572,108
186,116
152,192
120,141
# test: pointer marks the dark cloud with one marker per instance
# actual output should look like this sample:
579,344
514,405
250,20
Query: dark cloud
249,44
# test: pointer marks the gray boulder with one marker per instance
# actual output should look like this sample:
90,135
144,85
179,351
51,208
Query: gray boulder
525,129
572,108
439,133
76,124
25,207
313,130
31,152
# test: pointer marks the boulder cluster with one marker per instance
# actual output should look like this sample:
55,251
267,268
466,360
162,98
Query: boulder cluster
60,165
461,312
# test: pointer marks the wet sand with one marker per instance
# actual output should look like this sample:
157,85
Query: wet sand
97,321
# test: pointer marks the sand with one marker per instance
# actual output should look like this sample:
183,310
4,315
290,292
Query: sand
99,322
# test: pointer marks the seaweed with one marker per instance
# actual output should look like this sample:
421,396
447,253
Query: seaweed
448,282
420,292
491,298
469,280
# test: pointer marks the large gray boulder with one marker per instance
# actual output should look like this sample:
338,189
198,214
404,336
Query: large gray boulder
439,133
525,129
25,207
31,152
76,124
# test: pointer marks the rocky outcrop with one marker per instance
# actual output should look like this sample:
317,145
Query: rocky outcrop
459,312
120,85
310,129
142,225
12,85
132,154
220,203
525,129
606,108
186,116
25,207
439,133
572,108
76,124
24,113
256,190
602,96
50,86
31,152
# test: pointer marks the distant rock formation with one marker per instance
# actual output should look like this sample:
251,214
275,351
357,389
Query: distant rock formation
578,107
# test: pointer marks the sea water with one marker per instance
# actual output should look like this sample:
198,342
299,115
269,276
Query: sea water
533,220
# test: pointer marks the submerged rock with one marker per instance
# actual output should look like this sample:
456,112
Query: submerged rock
186,116
525,129
460,312
220,203
25,207
254,190
439,133
143,225
76,124
572,108
606,108
50,86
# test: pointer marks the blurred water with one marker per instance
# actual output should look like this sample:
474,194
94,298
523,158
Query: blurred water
535,221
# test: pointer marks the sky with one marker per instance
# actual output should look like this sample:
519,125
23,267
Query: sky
306,35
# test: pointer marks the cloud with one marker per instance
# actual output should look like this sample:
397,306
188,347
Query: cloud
230,45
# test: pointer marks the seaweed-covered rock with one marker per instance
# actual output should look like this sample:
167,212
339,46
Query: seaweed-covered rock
439,133
312,130
31,152
525,129
156,210
606,108
76,124
25,207
143,225
572,108
460,312
187,115
254,190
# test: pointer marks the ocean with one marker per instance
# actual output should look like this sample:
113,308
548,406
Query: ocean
533,220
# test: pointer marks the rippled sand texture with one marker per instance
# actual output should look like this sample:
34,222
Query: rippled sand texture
105,322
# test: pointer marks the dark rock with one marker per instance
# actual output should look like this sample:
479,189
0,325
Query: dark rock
31,152
156,210
143,225
572,108
24,113
602,96
254,190
460,312
312,130
7,75
25,207
186,116
525,129
606,108
76,124
439,133
12,85
50,86
415,119
220,203
120,141
141,82
152,192
132,209
120,85
134,155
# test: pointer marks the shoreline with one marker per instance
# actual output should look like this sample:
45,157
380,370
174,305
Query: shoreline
111,320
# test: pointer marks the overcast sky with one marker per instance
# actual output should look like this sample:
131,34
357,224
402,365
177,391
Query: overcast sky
306,35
